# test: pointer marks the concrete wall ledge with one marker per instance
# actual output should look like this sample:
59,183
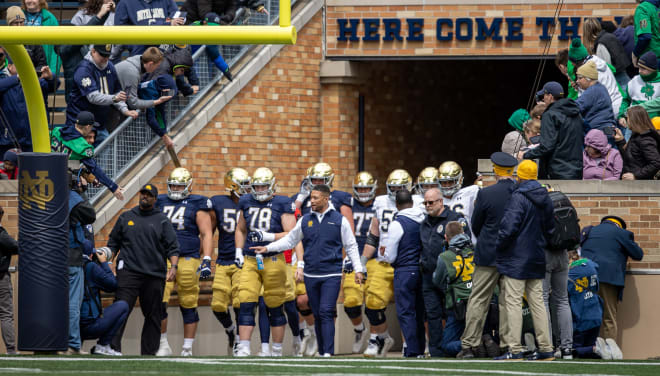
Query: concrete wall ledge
462,2
593,187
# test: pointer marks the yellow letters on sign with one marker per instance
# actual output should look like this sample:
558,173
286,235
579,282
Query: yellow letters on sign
39,190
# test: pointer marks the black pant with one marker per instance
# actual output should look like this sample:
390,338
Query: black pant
130,286
434,304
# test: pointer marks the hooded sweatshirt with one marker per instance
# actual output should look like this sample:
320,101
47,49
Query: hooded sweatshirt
606,167
525,229
403,245
129,72
152,90
596,108
642,90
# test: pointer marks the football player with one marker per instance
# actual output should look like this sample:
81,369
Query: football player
426,180
380,288
364,191
227,273
264,218
460,200
192,220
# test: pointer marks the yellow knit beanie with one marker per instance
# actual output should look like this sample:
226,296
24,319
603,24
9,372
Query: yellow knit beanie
527,170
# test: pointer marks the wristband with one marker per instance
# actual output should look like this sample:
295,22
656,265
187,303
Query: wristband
301,265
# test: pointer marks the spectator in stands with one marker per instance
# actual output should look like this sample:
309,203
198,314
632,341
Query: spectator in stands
643,89
199,9
641,159
609,245
152,90
606,46
37,14
96,322
626,34
8,248
10,165
16,17
600,160
647,29
93,12
212,51
586,308
515,141
132,69
525,230
178,62
579,56
566,68
560,145
14,109
138,12
96,87
594,103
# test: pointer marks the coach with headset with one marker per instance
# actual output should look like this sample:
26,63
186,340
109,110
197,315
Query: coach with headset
323,232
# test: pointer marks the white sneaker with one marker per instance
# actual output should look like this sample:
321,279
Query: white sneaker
264,354
104,350
372,349
326,355
276,352
358,341
601,349
387,345
311,348
242,351
614,349
297,349
164,349
186,351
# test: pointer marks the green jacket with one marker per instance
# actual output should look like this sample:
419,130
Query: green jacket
77,148
647,22
641,92
453,273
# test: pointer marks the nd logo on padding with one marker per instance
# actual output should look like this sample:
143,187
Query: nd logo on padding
39,190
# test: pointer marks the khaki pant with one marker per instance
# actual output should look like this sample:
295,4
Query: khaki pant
610,295
512,296
484,281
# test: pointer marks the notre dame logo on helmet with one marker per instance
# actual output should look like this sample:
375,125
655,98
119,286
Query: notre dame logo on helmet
38,191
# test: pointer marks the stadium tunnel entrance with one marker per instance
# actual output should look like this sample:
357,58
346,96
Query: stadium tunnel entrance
420,113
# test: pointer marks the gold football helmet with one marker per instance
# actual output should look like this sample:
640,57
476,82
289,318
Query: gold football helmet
237,181
322,171
397,180
450,175
263,177
364,179
427,179
180,177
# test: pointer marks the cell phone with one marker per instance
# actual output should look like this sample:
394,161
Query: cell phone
180,14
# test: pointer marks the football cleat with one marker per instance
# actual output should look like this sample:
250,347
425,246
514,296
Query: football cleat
321,171
450,175
164,349
242,351
181,179
263,177
427,179
237,181
186,351
358,341
312,346
231,342
384,346
297,349
276,352
397,180
372,349
364,179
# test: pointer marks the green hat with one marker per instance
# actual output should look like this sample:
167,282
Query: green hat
577,51
518,118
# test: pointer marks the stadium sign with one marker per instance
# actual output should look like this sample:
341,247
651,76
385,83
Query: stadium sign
448,29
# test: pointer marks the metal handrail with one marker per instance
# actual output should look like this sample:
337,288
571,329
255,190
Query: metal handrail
132,139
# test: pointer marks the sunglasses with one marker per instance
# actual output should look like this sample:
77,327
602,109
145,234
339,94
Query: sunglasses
428,203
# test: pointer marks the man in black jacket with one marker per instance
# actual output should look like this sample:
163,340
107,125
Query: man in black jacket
560,149
8,247
432,234
146,239
488,211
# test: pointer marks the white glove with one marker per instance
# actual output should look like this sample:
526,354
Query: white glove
305,190
239,260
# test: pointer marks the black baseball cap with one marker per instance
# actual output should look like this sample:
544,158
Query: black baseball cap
150,188
86,118
103,49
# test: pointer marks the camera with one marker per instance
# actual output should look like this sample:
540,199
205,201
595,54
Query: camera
104,251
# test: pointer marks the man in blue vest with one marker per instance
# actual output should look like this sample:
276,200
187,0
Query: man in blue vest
402,249
323,232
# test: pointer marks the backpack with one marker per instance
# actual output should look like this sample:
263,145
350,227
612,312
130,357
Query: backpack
567,229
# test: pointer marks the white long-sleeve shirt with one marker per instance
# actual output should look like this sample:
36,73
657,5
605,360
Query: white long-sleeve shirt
347,238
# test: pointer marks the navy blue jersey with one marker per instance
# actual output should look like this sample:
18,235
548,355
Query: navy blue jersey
362,216
183,215
226,214
265,216
337,198
88,78
140,12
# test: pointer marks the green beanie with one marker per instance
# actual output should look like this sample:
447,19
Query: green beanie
577,51
518,118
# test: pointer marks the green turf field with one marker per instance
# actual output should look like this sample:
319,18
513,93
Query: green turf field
22,365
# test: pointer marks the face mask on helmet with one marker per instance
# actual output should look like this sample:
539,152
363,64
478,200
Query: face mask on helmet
178,184
237,181
450,175
364,187
398,180
322,173
262,192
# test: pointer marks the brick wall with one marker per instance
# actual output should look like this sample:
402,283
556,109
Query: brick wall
275,121
430,46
